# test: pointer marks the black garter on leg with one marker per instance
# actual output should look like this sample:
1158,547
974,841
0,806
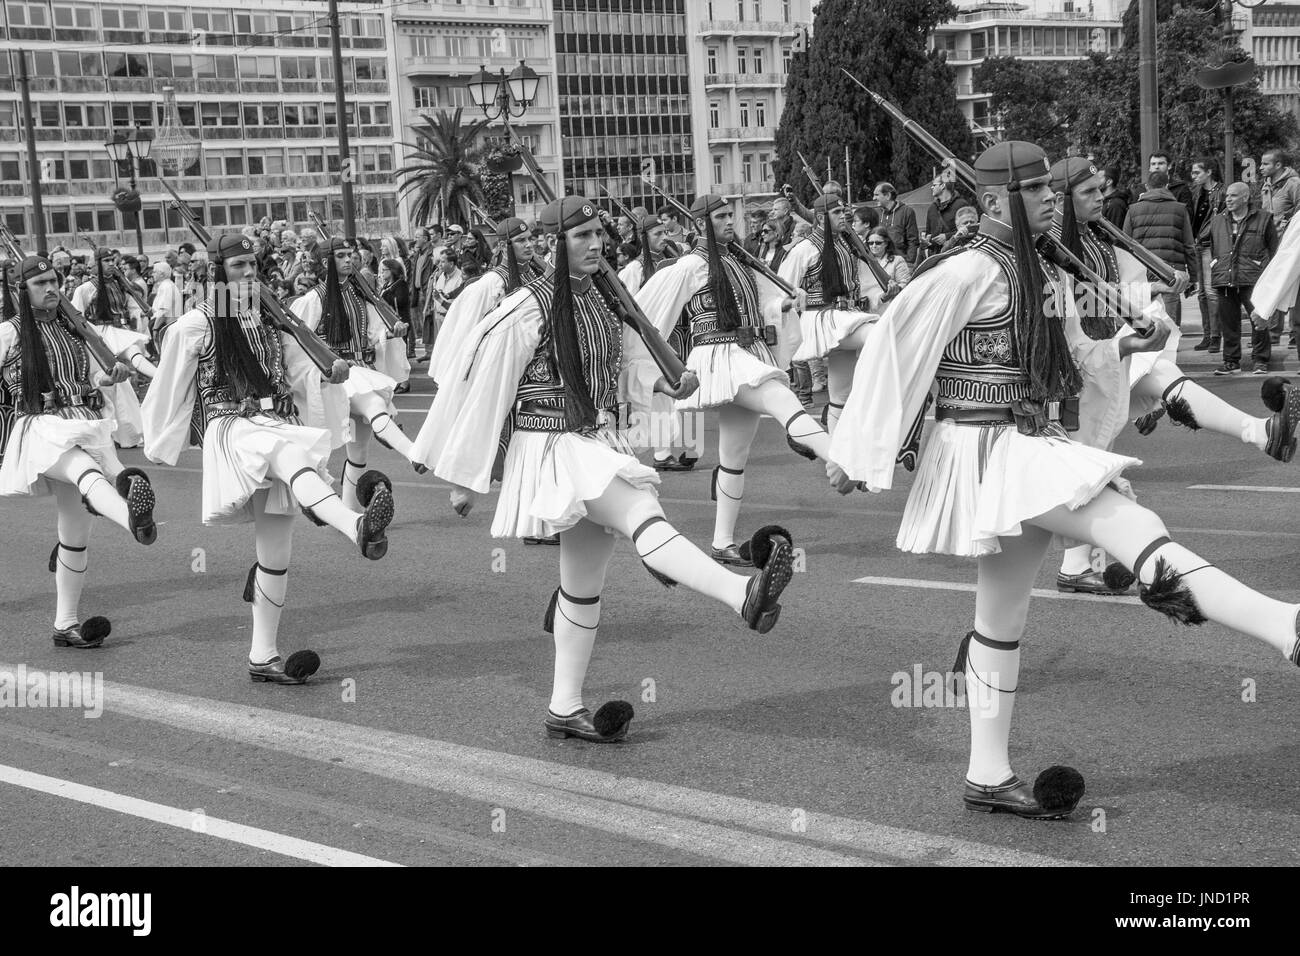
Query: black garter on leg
796,446
548,620
659,576
1180,412
250,585
713,482
1166,593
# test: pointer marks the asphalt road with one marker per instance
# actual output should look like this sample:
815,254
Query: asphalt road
421,742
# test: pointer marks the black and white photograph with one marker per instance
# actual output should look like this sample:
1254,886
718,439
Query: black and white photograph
650,433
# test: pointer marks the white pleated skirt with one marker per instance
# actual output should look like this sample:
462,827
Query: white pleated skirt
391,360
550,476
824,329
975,484
724,369
337,400
38,441
237,455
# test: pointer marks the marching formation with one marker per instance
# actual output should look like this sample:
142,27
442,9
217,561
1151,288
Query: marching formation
1034,329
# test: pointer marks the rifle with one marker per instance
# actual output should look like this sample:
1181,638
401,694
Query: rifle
478,211
322,355
1051,248
854,240
611,288
621,208
128,287
386,313
736,250
94,341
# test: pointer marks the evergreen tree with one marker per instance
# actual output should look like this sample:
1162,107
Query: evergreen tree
883,43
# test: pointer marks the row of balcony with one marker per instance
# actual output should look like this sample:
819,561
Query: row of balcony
240,185
747,28
465,65
62,35
744,79
156,240
99,135
156,84
729,190
741,133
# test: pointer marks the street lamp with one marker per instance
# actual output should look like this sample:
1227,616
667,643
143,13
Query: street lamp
505,97
130,150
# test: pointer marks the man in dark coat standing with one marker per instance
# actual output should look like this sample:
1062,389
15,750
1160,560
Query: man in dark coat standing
1241,244
1162,225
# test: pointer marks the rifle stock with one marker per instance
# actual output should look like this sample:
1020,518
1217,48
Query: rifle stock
322,356
103,354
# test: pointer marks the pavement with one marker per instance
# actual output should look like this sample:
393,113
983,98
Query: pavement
420,741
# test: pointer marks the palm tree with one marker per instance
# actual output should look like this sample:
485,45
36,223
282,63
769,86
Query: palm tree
443,172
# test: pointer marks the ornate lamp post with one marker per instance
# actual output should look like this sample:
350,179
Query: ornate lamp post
128,150
505,97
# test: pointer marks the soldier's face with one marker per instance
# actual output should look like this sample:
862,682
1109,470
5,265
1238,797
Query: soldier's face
586,242
724,225
343,262
656,237
1040,203
1088,200
523,247
837,219
44,290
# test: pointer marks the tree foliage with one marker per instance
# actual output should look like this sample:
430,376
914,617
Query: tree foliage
443,172
1095,100
883,43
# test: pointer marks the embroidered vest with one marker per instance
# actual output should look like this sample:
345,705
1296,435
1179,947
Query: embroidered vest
812,279
216,395
600,341
1099,319
355,346
981,366
702,310
69,361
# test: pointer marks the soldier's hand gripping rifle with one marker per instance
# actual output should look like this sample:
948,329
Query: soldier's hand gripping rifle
736,250
613,291
387,315
94,341
322,356
1050,247
130,288
855,242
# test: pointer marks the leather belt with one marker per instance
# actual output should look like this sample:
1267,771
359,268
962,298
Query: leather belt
842,302
365,357
1029,417
268,405
745,336
53,402
535,417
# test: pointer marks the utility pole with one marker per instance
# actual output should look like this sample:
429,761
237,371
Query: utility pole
1148,110
345,154
33,168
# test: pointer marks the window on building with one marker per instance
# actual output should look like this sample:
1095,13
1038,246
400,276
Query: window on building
455,46
10,171
715,115
713,60
765,167
742,59
717,170
786,55
426,97
760,114
740,10
785,10
747,169
758,59
744,114
758,10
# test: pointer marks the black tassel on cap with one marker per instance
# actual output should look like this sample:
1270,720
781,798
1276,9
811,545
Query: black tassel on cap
579,409
833,286
724,296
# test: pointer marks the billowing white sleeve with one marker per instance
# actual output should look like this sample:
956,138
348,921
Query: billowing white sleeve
1103,400
8,339
669,289
896,366
1276,287
309,308
1136,285
169,403
464,423
630,276
82,295
795,265
475,301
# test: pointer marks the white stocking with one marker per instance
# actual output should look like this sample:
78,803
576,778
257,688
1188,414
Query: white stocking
585,550
77,468
775,399
1211,412
736,429
274,537
71,558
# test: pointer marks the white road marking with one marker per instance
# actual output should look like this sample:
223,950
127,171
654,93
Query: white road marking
185,819
731,829
958,586
1285,491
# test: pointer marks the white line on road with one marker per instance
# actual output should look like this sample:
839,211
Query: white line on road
726,828
185,820
1285,491
957,586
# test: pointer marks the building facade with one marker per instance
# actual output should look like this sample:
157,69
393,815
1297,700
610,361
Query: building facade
1272,35
440,46
1048,30
739,60
253,84
625,98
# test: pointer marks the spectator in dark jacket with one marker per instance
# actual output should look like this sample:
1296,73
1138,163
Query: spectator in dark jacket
1161,224
1207,202
941,215
899,220
1115,200
1241,243
1159,163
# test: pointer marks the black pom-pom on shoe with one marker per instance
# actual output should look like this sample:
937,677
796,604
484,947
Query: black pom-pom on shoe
759,547
1167,594
1059,789
96,628
1117,577
302,664
367,484
612,718
1273,393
